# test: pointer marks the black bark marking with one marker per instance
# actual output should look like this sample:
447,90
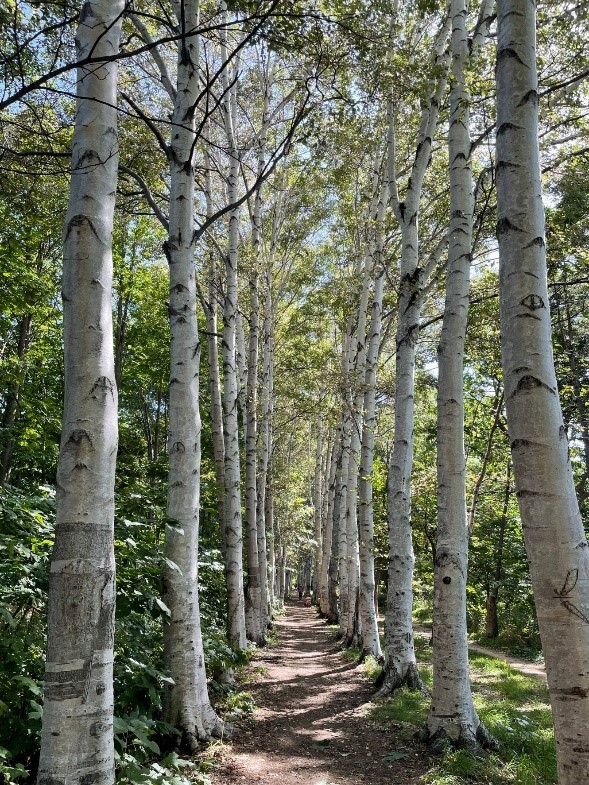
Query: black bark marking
532,96
569,583
504,225
533,302
516,443
178,447
529,382
77,222
447,580
571,693
539,241
506,52
504,127
104,386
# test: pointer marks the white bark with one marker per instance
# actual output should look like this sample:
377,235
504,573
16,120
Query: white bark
253,594
368,610
341,505
400,665
233,534
265,516
317,510
186,704
325,609
211,312
452,715
77,739
553,532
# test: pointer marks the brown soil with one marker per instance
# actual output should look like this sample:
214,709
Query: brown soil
312,724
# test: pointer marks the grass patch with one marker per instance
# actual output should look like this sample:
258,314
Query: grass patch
514,708
513,646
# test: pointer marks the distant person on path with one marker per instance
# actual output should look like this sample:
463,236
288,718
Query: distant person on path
300,592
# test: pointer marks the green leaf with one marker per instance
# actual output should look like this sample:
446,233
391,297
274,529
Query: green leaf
395,755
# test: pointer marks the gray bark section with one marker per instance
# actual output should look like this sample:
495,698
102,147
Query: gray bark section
555,541
77,735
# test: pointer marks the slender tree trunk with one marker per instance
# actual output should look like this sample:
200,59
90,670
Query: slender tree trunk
553,531
211,313
265,512
341,505
186,704
452,715
400,664
236,631
492,619
368,609
328,534
317,511
253,592
77,736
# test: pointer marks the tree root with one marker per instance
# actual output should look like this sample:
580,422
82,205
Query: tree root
390,680
477,742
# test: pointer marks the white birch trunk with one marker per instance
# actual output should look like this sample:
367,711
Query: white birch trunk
186,704
233,534
452,716
317,511
265,517
368,610
211,312
555,541
253,594
342,502
77,735
324,606
400,664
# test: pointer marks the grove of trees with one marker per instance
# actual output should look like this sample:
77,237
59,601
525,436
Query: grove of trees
293,294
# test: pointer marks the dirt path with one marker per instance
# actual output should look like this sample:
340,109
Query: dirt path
522,666
312,726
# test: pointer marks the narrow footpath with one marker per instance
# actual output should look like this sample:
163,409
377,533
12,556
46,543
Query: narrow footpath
312,725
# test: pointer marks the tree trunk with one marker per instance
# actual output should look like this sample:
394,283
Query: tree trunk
368,609
452,716
253,593
186,704
236,632
77,737
553,532
317,511
328,534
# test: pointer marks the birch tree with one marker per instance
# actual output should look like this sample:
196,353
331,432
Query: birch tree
452,714
77,739
187,704
400,665
553,531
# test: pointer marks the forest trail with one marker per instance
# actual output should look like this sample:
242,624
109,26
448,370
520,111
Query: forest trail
312,723
526,667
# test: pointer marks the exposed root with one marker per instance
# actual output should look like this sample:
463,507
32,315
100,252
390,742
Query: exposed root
475,741
390,680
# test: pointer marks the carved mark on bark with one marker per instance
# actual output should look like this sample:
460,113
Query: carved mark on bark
103,385
563,594
533,302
